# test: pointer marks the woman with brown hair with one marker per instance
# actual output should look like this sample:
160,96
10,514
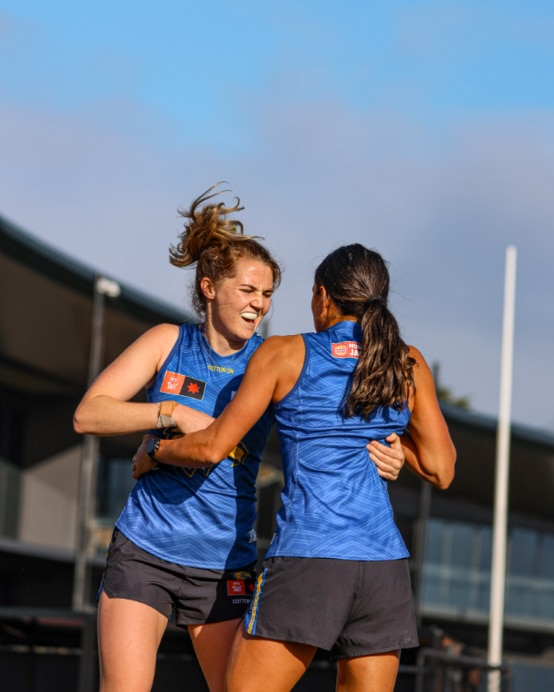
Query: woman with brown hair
185,541
336,574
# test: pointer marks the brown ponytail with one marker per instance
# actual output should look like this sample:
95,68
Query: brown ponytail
357,280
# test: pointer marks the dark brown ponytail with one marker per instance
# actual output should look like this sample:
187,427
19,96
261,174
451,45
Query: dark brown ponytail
357,280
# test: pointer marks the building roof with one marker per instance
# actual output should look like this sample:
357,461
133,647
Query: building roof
531,464
46,316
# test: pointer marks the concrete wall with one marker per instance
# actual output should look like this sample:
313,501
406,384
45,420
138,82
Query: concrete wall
48,501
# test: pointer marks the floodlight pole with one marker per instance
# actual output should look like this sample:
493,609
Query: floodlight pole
87,489
498,572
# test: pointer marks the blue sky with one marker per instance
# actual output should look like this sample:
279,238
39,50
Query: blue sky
423,129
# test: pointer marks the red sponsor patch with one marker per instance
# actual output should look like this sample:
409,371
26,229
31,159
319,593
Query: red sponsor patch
173,382
236,587
346,349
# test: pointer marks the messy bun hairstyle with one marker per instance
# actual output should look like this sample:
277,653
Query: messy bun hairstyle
214,240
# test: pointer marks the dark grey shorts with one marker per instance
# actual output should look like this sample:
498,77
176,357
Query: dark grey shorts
347,607
197,596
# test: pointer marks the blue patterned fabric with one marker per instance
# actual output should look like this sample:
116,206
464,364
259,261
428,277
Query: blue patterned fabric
334,503
200,517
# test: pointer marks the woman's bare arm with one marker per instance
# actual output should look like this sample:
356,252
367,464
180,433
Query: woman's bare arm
106,408
430,452
271,372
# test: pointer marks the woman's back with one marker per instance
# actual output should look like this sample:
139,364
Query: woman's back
334,502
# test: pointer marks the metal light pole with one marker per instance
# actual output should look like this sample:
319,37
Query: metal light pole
87,491
498,573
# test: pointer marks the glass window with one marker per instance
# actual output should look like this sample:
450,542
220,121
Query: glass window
457,570
115,482
434,542
524,551
485,549
547,557
462,538
527,677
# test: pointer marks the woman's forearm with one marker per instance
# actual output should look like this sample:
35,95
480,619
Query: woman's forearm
104,415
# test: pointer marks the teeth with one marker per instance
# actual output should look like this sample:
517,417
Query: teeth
249,315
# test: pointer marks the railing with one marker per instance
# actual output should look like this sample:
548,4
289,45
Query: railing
440,671
433,670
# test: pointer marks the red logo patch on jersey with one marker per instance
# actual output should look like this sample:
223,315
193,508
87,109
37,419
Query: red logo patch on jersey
175,383
236,587
346,349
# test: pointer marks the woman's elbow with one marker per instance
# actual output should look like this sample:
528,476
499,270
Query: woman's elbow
211,458
445,476
79,423
179,452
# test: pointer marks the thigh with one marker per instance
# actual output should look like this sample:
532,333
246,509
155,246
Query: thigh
375,673
265,664
129,634
212,646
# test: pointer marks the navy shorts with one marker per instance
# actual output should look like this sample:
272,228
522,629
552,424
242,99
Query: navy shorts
350,608
196,596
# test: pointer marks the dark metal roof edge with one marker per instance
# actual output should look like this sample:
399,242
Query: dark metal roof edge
490,423
26,248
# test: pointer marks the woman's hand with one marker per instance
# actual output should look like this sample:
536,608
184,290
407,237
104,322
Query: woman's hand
389,460
190,420
141,461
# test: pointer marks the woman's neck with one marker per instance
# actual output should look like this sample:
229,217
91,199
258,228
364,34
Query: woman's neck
219,343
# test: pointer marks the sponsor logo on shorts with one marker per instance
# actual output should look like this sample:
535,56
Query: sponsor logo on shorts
346,349
175,383
236,587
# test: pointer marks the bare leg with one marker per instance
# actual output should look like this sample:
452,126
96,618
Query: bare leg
129,634
265,664
375,673
212,645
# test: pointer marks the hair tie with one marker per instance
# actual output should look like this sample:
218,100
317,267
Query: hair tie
374,299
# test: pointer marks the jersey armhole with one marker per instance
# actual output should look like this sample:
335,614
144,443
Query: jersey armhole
301,374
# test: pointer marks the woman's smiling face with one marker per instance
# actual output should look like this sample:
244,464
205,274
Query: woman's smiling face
236,306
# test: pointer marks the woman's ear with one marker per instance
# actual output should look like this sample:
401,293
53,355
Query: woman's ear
207,288
323,294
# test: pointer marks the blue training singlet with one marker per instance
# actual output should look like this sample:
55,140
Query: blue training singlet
200,517
334,503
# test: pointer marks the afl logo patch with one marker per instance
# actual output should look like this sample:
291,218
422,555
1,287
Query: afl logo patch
236,587
175,383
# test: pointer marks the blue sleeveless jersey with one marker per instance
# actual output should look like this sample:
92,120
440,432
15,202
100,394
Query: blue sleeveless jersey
334,503
200,517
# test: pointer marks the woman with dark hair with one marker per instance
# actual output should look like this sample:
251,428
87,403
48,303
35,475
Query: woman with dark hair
336,573
185,541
